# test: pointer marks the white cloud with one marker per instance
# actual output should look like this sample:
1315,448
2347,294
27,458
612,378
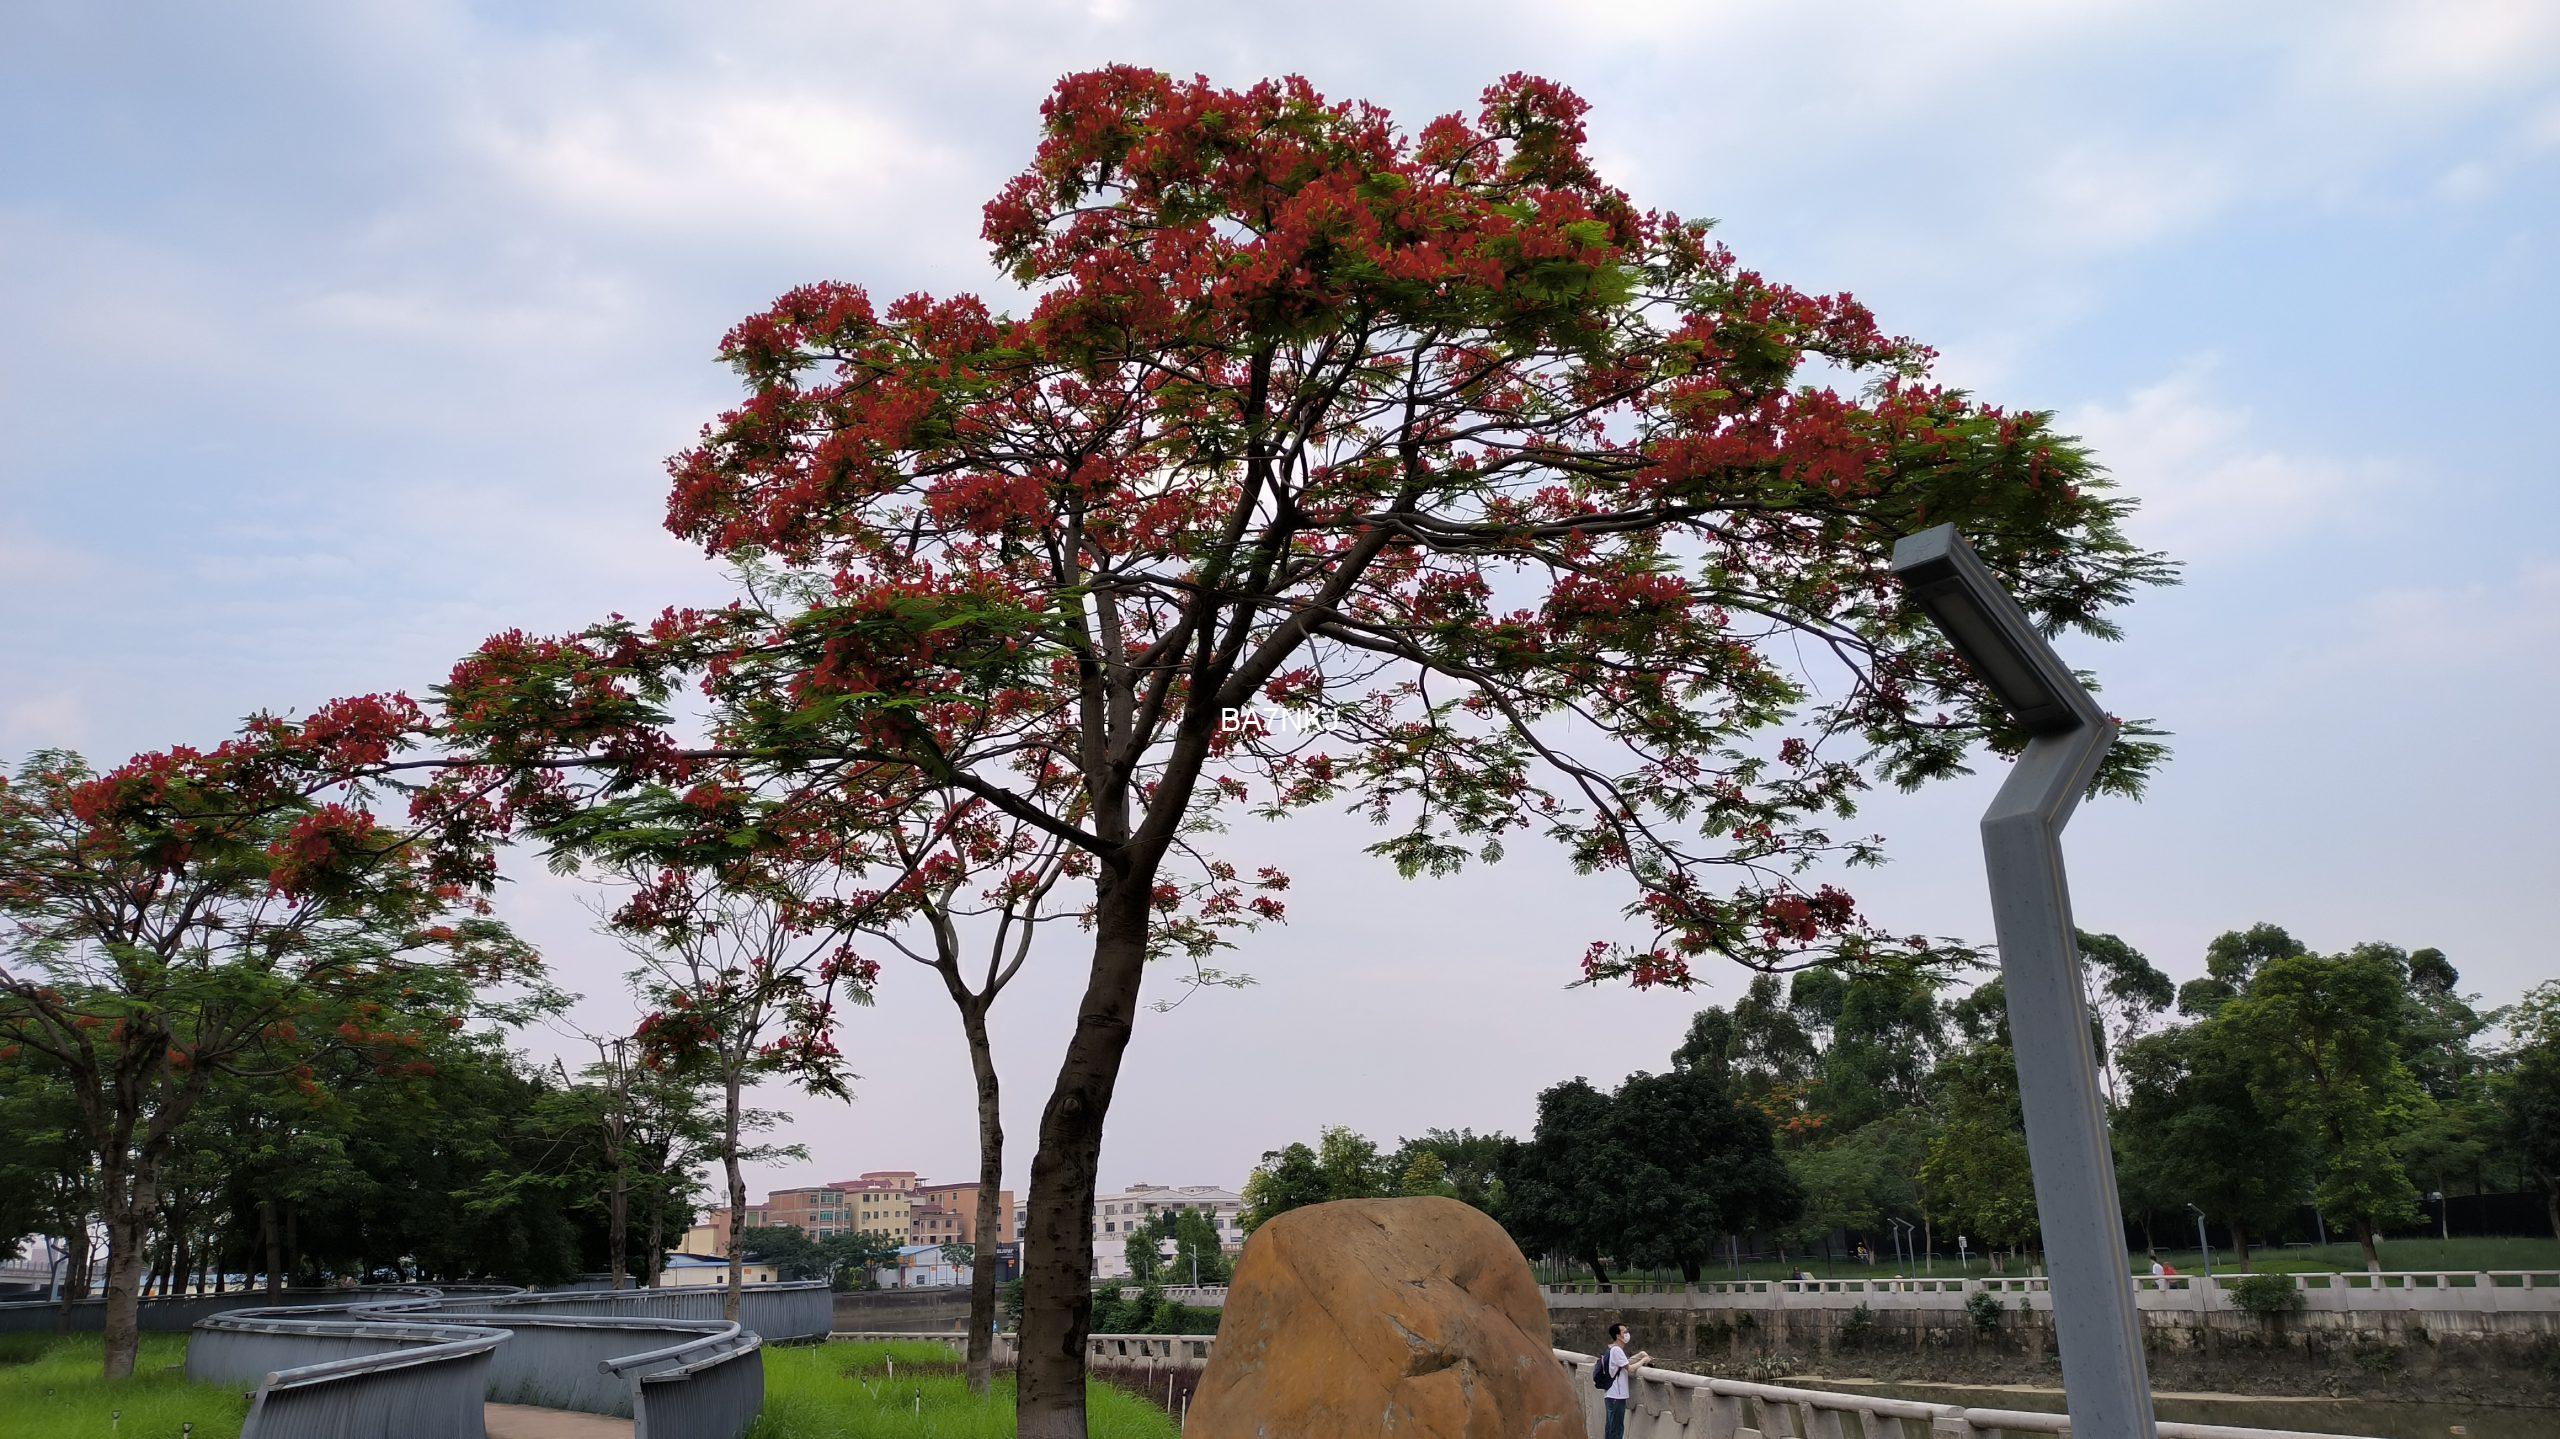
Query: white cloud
2448,48
38,721
717,158
30,561
2208,485
2095,198
2509,623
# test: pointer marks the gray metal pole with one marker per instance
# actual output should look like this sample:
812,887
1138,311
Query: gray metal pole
2095,1322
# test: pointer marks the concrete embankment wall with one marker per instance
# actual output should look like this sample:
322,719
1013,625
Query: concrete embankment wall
903,1311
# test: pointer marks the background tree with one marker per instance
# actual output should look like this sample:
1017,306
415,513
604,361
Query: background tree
2533,1092
740,972
788,1249
2127,994
1460,1163
675,1129
47,1167
1977,1169
1525,496
2198,1128
1344,1164
1700,1165
194,914
2327,1032
1560,1183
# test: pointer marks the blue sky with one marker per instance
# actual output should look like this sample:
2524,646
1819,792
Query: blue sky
334,337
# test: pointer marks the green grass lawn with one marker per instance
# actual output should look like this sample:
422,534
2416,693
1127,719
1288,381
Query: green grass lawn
50,1389
2397,1254
2464,1255
912,1391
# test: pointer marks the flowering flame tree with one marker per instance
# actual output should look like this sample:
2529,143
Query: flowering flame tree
239,911
1535,511
740,968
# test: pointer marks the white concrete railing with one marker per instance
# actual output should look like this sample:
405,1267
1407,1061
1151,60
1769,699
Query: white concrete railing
1665,1405
1156,1351
2474,1291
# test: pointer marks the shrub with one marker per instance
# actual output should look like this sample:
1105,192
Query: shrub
2269,1296
1860,1323
1984,1308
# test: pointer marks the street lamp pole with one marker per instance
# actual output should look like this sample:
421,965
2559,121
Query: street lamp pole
2203,1245
2095,1323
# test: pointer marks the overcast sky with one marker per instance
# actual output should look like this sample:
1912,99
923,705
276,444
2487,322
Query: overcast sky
334,337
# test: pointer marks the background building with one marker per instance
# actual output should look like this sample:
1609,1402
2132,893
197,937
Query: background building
683,1271
883,1201
1115,1215
961,1198
711,1236
818,1211
920,1266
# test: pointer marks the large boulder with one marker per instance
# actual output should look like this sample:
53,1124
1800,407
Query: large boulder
1409,1317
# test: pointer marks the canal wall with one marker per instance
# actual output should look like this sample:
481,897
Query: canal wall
905,1311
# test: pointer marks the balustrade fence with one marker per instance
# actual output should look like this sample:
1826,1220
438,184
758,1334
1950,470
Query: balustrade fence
421,1363
1665,1405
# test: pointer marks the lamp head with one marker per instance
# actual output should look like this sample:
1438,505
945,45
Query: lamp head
1991,632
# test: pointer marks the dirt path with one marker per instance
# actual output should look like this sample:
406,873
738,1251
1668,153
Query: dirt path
518,1421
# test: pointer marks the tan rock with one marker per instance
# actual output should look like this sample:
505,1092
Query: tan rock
1408,1317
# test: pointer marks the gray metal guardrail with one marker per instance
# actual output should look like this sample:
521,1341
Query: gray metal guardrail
420,1363
175,1314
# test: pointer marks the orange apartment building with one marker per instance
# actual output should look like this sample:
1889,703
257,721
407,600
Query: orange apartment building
894,1202
961,1201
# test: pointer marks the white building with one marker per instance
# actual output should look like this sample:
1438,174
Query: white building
921,1266
1116,1215
689,1271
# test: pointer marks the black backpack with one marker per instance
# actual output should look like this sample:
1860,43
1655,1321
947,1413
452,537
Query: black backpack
1601,1378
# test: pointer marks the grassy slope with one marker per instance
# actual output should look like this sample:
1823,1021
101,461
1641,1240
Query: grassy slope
50,1389
847,1391
2462,1255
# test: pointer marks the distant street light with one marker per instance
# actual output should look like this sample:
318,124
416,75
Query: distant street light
2201,1244
2095,1323
2444,1215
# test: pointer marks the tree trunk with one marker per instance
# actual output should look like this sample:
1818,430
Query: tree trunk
1599,1271
272,1238
1057,1279
2364,1239
75,1272
618,1240
733,1296
2551,1208
657,1254
126,1202
2240,1244
989,1224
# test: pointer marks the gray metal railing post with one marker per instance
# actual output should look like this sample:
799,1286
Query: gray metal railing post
2094,1318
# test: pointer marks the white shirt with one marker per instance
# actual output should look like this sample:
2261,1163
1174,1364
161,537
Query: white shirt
1618,1367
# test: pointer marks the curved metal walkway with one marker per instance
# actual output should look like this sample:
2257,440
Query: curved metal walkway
475,1362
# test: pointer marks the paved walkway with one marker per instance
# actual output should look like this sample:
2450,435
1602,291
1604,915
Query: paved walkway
520,1421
